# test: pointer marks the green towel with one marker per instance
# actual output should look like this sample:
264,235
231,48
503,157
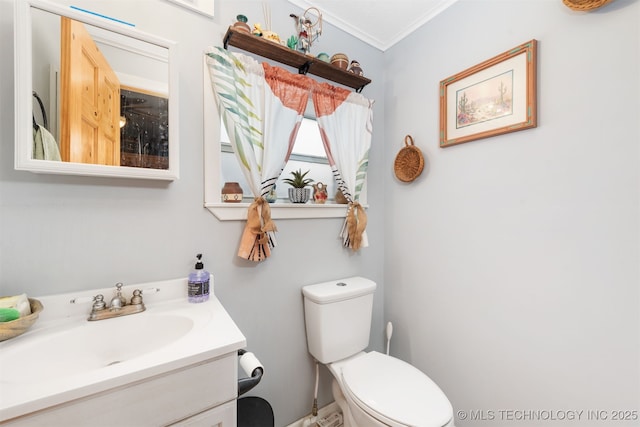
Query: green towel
45,146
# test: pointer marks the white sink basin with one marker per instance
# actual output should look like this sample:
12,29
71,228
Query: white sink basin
65,357
91,345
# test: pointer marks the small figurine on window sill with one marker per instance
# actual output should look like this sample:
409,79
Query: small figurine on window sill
272,196
340,199
319,193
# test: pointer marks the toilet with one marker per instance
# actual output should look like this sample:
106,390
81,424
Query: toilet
371,388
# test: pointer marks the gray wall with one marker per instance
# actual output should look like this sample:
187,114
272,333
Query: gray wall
511,264
60,234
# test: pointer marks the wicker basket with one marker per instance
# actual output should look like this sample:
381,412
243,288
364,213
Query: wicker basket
409,161
19,326
585,5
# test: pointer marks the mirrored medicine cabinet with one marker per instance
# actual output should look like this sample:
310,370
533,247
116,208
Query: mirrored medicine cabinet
101,94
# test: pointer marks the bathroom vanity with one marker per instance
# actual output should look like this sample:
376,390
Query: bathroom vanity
174,364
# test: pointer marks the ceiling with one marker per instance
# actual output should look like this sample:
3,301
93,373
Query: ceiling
380,23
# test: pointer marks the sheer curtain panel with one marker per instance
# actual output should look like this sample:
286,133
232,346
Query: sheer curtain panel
262,108
345,119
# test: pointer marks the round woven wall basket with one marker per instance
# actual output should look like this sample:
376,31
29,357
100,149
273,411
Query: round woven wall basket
409,161
585,5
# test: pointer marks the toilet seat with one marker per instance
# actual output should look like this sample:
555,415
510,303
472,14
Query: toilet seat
395,392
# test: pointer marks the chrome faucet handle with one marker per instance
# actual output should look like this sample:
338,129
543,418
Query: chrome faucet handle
137,297
98,303
118,300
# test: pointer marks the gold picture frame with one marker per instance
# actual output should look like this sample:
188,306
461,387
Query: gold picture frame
494,97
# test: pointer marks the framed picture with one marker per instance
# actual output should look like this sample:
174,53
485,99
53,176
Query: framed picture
491,98
203,7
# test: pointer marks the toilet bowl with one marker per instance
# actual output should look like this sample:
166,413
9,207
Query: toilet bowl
372,389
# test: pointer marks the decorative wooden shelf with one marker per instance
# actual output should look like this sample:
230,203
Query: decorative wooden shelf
304,63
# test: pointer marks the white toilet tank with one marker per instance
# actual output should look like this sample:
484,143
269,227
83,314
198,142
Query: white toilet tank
338,317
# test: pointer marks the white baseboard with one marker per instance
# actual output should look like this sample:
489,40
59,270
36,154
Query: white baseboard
324,411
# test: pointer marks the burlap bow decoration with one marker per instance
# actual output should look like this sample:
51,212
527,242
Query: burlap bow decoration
258,237
356,223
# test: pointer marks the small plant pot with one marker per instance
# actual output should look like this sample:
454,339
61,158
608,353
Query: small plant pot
299,195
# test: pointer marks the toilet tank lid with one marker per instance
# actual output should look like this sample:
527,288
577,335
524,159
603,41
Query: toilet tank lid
339,290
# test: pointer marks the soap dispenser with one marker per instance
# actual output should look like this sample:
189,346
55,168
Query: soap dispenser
198,284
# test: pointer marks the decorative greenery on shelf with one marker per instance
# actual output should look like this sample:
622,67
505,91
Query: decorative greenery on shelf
292,42
298,180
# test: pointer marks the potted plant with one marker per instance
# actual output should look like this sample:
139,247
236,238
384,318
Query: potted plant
299,193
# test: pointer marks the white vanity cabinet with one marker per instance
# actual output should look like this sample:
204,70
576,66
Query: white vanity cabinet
220,416
199,395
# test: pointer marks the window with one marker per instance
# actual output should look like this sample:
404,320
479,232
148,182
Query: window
308,154
217,170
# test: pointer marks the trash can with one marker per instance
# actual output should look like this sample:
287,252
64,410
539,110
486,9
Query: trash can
254,412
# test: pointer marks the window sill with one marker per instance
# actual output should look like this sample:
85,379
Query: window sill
279,210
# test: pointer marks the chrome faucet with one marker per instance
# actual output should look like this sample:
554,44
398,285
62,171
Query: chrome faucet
118,305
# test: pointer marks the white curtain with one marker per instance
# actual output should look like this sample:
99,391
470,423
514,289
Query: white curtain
345,119
262,108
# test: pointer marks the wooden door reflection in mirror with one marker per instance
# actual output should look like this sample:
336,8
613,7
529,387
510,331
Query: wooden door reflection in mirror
90,99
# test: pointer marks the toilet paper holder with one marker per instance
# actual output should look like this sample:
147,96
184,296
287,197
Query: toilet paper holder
252,367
